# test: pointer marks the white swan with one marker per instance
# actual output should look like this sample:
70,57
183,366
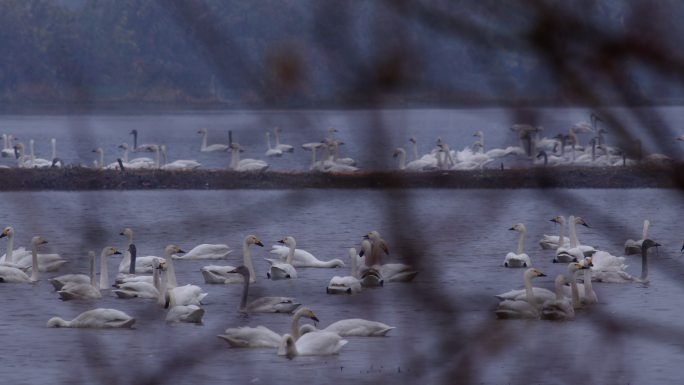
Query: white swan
37,162
634,247
519,258
551,242
131,288
171,297
23,258
244,165
560,308
96,318
390,272
369,276
263,304
88,290
589,296
523,308
271,151
142,147
262,337
140,162
14,275
311,344
575,252
7,150
302,258
352,327
541,294
278,145
284,270
176,165
185,313
414,165
609,271
347,284
210,148
206,251
142,264
224,274
59,282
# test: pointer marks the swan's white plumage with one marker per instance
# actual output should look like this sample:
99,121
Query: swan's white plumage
96,318
206,251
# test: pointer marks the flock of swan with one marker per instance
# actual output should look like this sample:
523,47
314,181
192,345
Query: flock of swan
532,148
153,278
585,263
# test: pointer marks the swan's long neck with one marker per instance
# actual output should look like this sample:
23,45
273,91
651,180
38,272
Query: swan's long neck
559,288
93,274
104,271
276,134
247,261
313,156
163,154
402,160
415,150
644,233
245,291
54,148
34,262
367,250
572,231
161,300
125,155
295,325
10,248
101,158
133,255
5,142
170,271
290,254
587,282
287,346
135,140
354,268
156,155
521,243
268,141
59,322
644,264
204,141
126,260
575,292
561,239
155,278
33,155
529,292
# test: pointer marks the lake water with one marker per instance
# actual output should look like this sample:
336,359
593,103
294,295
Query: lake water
370,136
446,331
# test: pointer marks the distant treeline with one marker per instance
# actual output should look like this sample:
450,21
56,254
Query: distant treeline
290,53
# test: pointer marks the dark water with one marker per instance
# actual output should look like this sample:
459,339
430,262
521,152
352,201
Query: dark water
446,328
370,136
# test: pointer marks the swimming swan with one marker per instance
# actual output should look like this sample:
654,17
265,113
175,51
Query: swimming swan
560,308
390,272
24,259
523,308
14,275
96,318
352,327
262,337
140,288
59,282
311,344
171,297
280,270
244,165
575,252
271,151
206,251
278,145
212,147
185,313
519,258
634,247
302,258
142,264
550,242
263,304
347,284
87,290
224,274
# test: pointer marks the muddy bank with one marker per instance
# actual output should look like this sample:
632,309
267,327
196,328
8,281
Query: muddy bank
669,176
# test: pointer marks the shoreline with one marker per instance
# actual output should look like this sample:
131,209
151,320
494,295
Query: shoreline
84,179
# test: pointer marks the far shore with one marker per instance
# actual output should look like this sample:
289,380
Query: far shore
77,178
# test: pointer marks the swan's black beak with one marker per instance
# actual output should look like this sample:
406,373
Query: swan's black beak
117,252
585,225
681,251
511,228
361,253
122,233
3,235
315,319
180,251
365,236
542,274
281,241
258,243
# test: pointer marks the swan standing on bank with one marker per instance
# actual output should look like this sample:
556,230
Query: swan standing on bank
177,165
88,290
286,270
210,148
634,247
262,337
14,275
263,304
96,318
523,308
519,258
224,274
271,151
311,344
244,165
352,327
414,165
278,145
348,284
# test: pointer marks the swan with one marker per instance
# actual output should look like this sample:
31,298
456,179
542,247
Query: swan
88,290
573,291
311,344
331,131
142,147
519,258
244,165
224,274
96,318
176,165
390,272
369,276
528,307
37,162
142,264
348,284
59,282
131,276
548,242
262,337
589,296
278,145
171,297
634,247
414,165
14,275
54,161
24,259
576,251
560,308
280,270
206,251
263,304
140,288
302,258
352,327
140,162
212,147
618,275
7,150
271,151
185,313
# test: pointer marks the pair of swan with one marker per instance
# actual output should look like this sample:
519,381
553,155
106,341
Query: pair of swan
244,165
575,251
611,269
183,302
146,286
23,258
143,264
519,258
262,337
347,284
270,150
10,274
284,270
224,274
371,248
414,165
96,318
210,148
263,304
77,290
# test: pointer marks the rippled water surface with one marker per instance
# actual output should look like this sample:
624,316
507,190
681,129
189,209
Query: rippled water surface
446,330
